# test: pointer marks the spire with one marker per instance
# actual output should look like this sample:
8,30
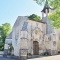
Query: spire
46,7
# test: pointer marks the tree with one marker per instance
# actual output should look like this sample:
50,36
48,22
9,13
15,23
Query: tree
55,17
4,31
34,17
52,3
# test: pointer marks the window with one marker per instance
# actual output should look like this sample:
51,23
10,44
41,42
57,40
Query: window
25,26
16,35
49,38
54,43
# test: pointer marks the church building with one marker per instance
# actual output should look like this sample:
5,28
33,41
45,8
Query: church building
30,37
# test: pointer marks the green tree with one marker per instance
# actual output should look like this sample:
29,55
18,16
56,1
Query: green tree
55,17
34,17
52,3
4,31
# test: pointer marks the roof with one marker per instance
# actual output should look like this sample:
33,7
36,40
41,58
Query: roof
19,20
9,36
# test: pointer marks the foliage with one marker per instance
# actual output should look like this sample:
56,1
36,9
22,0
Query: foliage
4,31
55,17
34,17
52,3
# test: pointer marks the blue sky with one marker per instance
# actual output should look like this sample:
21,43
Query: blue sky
11,9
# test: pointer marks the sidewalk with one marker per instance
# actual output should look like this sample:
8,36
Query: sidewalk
56,57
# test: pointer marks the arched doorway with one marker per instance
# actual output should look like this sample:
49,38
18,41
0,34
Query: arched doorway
35,48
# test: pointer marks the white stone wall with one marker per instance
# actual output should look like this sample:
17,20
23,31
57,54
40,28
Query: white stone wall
24,39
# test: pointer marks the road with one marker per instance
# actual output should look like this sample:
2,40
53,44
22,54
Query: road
56,57
2,58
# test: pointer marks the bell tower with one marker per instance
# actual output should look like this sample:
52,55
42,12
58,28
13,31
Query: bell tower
45,19
45,9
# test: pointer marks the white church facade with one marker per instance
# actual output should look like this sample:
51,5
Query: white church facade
32,37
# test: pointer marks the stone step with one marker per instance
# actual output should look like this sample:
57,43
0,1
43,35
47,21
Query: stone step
34,56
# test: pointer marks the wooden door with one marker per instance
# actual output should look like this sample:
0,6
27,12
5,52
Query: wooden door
35,48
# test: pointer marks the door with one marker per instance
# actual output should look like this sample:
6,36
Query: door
35,48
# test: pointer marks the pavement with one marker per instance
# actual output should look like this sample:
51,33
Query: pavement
2,58
6,58
56,57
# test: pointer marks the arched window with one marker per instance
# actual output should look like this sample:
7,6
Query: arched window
54,43
49,38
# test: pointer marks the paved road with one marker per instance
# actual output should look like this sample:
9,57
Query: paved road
2,58
56,57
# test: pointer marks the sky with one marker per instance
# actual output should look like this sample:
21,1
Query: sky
11,9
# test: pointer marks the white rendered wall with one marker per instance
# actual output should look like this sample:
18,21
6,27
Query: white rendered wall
31,27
